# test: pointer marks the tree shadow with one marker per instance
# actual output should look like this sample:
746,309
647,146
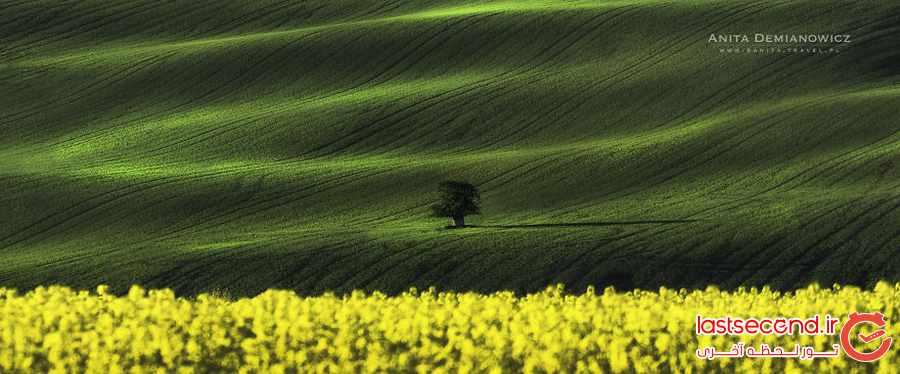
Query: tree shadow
585,224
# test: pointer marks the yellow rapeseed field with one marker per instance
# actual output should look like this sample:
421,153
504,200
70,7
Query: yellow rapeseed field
60,330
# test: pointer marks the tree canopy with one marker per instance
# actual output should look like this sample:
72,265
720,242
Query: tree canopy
457,200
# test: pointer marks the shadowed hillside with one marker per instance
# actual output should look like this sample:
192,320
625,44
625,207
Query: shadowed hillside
248,145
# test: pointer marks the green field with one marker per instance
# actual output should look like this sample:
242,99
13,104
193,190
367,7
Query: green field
247,145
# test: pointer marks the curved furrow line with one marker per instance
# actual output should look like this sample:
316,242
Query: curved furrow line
744,201
377,67
71,207
506,84
80,93
771,245
83,138
456,92
86,206
228,128
577,259
750,80
433,250
456,264
383,7
250,194
8,5
218,132
671,264
648,254
346,282
863,153
264,12
823,167
763,71
206,97
145,186
562,265
171,274
828,165
439,31
769,261
63,219
304,261
249,18
290,198
614,253
397,62
197,137
568,208
234,282
79,28
824,216
15,30
320,275
785,186
192,13
313,277
645,243
67,20
772,248
390,8
86,137
392,217
175,276
426,252
207,94
886,26
895,238
669,50
642,185
274,202
256,191
74,259
721,270
833,165
660,178
862,225
533,165
83,28
509,173
187,275
854,235
309,16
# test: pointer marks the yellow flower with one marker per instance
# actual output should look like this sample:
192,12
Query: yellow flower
55,329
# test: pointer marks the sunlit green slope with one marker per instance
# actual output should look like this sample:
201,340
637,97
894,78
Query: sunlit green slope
245,145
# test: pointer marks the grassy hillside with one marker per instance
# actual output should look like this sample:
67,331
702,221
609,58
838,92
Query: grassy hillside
245,145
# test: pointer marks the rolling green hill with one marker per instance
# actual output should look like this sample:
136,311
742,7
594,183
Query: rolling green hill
245,145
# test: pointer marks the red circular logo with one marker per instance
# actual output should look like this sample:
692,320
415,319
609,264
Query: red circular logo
876,319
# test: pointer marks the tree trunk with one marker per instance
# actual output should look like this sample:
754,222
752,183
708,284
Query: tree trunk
459,221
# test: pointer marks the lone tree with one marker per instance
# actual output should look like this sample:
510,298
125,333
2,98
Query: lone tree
458,199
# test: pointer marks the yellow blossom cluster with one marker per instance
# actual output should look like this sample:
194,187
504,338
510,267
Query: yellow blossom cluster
56,329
